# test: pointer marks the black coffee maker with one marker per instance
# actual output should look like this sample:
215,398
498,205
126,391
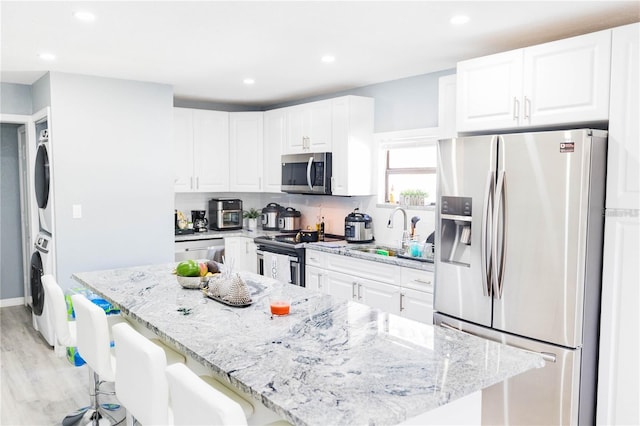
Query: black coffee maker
200,223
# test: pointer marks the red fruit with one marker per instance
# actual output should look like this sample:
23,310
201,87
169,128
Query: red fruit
203,269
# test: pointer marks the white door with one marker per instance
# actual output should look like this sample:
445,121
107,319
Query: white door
183,150
341,285
211,150
416,305
488,92
246,137
274,140
623,170
567,81
379,295
319,126
618,388
295,130
314,279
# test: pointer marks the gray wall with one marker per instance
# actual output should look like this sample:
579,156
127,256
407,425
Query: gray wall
41,93
15,99
112,154
407,103
10,232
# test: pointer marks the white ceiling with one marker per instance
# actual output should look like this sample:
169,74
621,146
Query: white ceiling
206,48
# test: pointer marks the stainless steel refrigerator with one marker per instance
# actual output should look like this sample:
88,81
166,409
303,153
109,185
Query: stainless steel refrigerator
519,233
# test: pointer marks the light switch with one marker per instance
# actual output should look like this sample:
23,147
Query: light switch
77,211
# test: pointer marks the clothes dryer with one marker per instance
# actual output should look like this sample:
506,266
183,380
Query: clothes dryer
43,183
41,264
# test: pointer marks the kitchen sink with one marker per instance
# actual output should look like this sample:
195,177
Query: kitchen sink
379,250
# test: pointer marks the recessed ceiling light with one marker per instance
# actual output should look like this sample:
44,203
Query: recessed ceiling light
83,15
248,81
47,56
328,59
459,20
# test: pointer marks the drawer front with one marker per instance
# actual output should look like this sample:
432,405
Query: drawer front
417,279
315,258
382,272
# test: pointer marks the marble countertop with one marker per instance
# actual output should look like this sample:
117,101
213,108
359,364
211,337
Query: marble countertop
328,362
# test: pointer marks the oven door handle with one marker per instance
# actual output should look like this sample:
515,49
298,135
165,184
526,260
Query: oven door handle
294,268
309,164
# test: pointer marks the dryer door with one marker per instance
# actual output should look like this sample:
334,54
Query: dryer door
37,291
42,181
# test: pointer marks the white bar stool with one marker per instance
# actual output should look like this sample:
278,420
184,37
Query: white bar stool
141,384
94,347
64,331
195,402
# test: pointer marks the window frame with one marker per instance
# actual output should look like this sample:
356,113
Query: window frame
399,139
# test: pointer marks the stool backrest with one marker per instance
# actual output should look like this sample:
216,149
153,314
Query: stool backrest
93,341
194,402
141,382
54,298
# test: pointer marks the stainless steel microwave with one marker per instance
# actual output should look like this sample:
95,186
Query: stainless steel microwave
306,173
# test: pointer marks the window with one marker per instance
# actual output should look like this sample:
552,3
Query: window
409,164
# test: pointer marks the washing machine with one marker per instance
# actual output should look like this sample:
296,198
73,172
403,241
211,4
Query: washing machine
42,263
42,182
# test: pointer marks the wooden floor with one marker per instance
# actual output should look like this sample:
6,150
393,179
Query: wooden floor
37,387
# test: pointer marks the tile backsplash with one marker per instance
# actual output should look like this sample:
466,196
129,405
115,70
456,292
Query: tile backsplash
334,209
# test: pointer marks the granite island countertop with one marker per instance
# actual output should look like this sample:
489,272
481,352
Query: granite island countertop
329,362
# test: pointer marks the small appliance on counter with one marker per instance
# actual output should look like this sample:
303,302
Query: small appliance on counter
289,220
225,214
358,227
199,220
270,216
181,224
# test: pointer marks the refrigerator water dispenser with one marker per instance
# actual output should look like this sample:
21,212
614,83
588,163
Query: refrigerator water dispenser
455,226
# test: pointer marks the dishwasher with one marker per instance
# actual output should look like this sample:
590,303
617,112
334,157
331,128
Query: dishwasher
211,249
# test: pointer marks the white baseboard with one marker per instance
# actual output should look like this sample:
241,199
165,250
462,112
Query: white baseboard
16,301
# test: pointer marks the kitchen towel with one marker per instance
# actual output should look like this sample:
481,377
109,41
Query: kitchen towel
277,266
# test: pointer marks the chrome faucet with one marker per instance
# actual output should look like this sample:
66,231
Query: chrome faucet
405,232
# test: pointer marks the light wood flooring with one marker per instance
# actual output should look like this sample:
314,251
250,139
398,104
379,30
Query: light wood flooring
36,386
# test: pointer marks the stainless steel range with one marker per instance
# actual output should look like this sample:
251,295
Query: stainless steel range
282,257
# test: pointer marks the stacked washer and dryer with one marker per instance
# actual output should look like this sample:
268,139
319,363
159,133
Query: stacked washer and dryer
42,258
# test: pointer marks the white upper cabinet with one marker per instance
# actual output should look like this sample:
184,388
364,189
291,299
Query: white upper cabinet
565,81
246,146
488,91
201,150
308,128
623,169
352,135
274,139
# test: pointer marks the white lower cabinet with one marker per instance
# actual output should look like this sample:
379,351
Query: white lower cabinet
397,290
242,252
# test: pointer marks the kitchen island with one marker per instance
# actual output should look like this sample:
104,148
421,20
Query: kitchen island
329,362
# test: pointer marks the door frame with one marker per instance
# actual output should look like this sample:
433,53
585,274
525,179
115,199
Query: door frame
26,150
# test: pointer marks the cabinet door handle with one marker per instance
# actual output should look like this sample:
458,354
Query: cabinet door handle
516,109
359,291
354,295
527,108
401,300
197,182
191,182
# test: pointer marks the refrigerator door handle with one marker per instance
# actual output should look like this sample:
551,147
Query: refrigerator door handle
485,232
499,212
547,356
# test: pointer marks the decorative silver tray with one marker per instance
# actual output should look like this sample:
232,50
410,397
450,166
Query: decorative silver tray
205,291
